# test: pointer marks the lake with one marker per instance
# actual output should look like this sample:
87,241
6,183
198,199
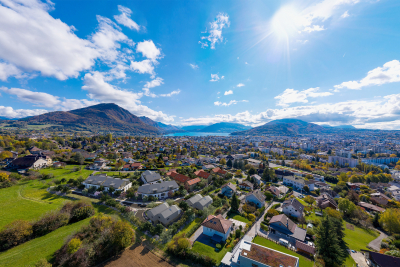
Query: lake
197,134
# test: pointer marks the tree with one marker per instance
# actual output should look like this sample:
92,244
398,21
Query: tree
309,200
5,154
306,188
222,161
3,177
390,220
123,234
229,163
184,151
235,203
252,170
73,245
183,244
328,243
346,207
79,158
109,138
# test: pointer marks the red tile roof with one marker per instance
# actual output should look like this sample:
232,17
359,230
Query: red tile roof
219,170
269,257
193,181
179,177
217,223
202,174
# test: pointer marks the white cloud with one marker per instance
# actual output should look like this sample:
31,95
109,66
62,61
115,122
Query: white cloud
215,77
345,15
290,96
102,91
314,28
175,92
389,73
9,112
36,98
8,70
154,83
215,31
240,85
148,50
144,66
232,102
229,92
374,113
125,18
194,66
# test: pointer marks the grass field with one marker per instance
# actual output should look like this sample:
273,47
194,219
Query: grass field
359,238
67,172
237,217
210,251
188,227
303,261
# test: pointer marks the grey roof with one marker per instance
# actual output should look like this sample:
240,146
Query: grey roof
300,180
193,199
150,176
96,179
115,182
294,202
256,176
157,210
158,187
231,186
203,203
299,233
258,194
168,215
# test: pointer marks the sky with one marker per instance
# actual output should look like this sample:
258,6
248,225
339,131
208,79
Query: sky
333,62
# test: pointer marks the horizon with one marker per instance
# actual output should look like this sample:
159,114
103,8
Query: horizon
327,62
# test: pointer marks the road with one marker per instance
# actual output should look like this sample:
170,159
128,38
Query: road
256,227
376,243
359,258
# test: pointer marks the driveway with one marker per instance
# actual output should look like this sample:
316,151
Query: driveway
359,259
376,243
237,224
196,234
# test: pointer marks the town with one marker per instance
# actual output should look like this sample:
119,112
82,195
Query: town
315,200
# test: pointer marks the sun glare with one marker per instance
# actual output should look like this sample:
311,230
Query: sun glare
286,22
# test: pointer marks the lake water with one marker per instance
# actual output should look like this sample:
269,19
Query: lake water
197,134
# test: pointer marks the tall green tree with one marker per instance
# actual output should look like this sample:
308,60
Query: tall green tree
235,202
229,163
330,243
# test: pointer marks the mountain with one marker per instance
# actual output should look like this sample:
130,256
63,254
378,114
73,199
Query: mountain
165,128
284,127
225,127
193,128
101,117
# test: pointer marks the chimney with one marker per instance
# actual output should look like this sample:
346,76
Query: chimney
287,223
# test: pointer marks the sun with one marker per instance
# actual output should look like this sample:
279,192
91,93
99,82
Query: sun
286,22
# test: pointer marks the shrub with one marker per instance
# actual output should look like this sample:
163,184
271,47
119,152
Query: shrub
82,213
15,233
396,243
272,212
218,246
123,234
384,245
73,245
49,222
264,227
43,263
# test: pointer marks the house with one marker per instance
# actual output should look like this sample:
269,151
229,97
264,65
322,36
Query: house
249,254
292,207
97,166
369,207
257,179
164,214
179,178
304,248
159,190
219,171
34,150
246,185
204,175
107,182
275,191
59,164
325,200
217,227
34,161
379,198
281,225
191,184
376,259
150,177
199,202
298,182
208,167
132,166
228,189
256,197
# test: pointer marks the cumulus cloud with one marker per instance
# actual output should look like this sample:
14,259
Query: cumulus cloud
175,92
215,32
240,85
99,89
194,66
389,73
345,15
36,98
360,113
9,112
290,96
148,50
232,102
215,77
144,66
229,92
9,70
125,18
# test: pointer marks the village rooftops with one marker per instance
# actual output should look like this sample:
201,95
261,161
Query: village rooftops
151,176
217,223
158,187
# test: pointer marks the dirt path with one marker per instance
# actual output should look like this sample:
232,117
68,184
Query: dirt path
137,256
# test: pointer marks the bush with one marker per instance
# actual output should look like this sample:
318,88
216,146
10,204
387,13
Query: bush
15,233
82,213
276,206
264,227
396,243
43,263
123,234
49,222
218,246
73,245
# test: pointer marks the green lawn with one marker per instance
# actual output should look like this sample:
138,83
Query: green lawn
43,247
359,238
67,172
349,262
303,261
188,227
210,251
302,201
237,217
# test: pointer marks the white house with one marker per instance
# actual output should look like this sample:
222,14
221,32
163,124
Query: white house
256,197
293,208
298,182
217,227
159,190
108,182
228,190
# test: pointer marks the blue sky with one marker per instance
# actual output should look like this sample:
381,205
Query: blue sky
199,62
